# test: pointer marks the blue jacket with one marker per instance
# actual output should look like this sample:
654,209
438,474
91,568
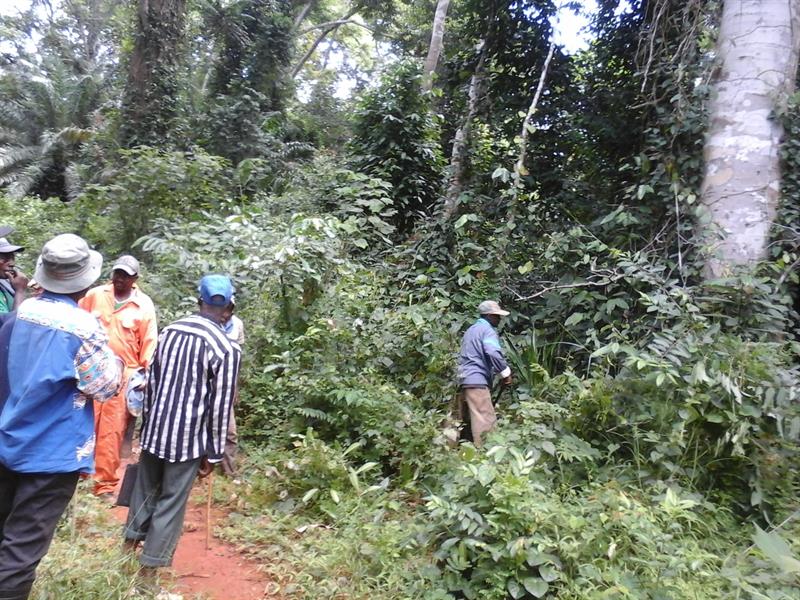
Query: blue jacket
481,356
56,362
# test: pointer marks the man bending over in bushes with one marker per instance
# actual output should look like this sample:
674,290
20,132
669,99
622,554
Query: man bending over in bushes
480,359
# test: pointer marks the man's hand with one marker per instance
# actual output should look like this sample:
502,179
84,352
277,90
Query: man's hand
205,468
17,280
508,381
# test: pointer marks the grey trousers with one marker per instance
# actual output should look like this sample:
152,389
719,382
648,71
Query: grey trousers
231,448
158,505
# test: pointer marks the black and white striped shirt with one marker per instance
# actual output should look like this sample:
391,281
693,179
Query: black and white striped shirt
190,391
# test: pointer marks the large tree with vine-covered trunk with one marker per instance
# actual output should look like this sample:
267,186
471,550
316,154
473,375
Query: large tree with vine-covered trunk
151,92
758,47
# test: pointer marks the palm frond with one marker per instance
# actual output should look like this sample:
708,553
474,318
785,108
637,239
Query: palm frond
28,178
74,181
16,157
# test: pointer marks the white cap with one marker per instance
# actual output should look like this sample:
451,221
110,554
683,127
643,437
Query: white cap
490,307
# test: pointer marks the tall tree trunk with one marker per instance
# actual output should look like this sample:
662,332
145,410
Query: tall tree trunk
435,48
151,91
461,139
758,46
519,167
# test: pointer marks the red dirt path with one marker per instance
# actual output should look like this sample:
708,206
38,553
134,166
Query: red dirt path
219,573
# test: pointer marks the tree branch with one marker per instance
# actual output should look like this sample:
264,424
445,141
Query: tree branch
338,23
326,29
566,286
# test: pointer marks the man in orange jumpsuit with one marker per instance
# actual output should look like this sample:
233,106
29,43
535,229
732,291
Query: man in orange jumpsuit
129,318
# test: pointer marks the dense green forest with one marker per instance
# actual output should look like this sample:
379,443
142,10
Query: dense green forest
368,171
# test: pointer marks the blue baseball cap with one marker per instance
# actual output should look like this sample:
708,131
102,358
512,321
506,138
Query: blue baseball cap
216,290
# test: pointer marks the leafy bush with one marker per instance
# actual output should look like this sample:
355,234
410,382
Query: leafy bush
364,205
502,531
35,221
150,183
395,138
288,259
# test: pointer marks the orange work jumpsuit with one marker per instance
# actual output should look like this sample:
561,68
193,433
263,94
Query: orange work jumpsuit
132,333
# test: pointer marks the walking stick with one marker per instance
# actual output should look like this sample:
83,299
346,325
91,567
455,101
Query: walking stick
73,518
208,509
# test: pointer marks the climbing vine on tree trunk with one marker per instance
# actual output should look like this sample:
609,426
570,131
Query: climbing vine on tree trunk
151,91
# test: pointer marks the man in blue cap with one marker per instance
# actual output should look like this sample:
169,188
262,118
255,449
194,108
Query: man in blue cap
188,398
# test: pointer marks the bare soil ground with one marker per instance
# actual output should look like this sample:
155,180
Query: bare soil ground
216,572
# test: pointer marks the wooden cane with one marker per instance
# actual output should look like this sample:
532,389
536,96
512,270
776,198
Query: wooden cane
73,517
208,509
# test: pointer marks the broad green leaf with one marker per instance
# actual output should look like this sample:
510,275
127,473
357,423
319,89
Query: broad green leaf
536,558
548,573
514,588
777,550
535,586
574,319
526,268
366,467
449,543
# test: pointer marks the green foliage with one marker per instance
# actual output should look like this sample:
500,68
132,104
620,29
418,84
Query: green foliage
254,46
247,89
653,417
86,559
151,96
354,375
365,205
324,119
284,260
35,222
325,536
501,530
395,138
148,183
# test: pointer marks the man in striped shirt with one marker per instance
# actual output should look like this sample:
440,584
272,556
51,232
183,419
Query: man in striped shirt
187,405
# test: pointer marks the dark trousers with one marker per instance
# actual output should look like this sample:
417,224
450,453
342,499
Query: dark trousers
30,506
158,505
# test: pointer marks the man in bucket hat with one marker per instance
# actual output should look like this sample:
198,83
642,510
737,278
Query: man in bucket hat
188,399
12,282
57,360
129,318
481,358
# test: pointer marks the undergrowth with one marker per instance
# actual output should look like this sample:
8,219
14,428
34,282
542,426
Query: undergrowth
86,560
